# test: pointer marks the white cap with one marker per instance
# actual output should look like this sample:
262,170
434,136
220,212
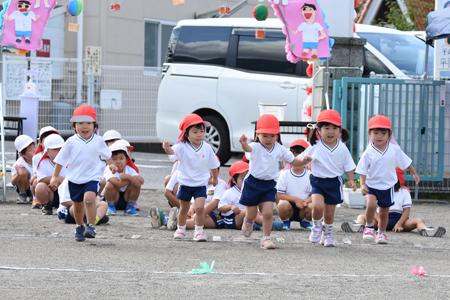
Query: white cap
53,141
47,129
118,146
111,135
125,143
22,141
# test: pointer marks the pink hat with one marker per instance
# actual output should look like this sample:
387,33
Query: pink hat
330,116
84,113
379,122
268,124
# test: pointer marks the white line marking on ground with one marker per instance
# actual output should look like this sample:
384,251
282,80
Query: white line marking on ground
214,273
151,167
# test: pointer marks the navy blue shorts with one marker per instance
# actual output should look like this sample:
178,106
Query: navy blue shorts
296,216
393,219
256,191
385,198
330,188
29,194
185,193
64,214
77,191
55,202
218,219
122,203
229,221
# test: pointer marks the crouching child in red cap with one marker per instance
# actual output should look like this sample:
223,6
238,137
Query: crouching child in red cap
378,177
81,154
196,161
259,187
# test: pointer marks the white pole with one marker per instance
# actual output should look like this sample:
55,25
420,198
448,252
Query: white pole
2,128
80,57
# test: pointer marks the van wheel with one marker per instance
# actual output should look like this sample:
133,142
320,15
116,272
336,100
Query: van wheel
218,138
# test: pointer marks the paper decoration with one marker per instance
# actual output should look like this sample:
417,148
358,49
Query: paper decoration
305,28
178,2
260,12
206,269
417,271
116,7
224,8
24,23
74,8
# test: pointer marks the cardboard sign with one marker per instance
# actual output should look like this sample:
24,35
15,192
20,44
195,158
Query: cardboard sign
45,50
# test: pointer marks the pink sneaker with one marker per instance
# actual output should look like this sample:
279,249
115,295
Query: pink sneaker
315,234
247,227
266,243
369,234
381,239
199,236
179,234
328,241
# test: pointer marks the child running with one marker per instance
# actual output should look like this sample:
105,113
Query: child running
398,214
378,177
330,159
259,188
196,161
81,154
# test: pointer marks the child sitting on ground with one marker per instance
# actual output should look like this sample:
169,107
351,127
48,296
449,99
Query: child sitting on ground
294,191
45,132
122,188
22,170
398,214
171,187
45,167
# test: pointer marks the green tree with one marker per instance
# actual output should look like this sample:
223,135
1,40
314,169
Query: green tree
415,16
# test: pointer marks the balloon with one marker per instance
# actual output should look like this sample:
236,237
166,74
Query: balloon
260,12
74,7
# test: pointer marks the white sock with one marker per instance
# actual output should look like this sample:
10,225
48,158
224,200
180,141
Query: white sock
200,228
305,220
181,227
317,223
327,228
370,225
381,232
285,220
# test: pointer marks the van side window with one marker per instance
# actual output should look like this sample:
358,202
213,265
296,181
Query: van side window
263,55
373,64
202,45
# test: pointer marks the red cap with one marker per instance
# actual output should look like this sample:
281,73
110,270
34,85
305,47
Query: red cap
238,167
245,159
84,113
299,142
190,120
379,122
268,124
400,176
330,116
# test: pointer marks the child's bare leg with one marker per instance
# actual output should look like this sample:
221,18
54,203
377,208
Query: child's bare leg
111,193
361,219
252,212
102,186
384,218
285,210
182,214
267,211
318,206
412,224
306,212
21,180
328,214
33,187
371,208
209,223
43,193
102,208
78,212
132,193
376,220
200,211
239,218
91,209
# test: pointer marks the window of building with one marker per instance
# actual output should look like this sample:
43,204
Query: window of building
157,35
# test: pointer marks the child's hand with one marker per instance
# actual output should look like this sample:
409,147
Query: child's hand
352,185
18,169
416,178
235,209
166,145
299,203
397,228
191,213
140,179
364,190
215,181
113,168
54,183
243,140
124,176
307,159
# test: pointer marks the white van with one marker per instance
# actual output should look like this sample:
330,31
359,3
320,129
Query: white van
219,70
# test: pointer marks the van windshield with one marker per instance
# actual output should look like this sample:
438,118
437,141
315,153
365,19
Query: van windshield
406,52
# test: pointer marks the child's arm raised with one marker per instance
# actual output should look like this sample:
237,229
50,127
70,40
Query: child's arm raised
298,162
399,226
243,140
414,172
167,148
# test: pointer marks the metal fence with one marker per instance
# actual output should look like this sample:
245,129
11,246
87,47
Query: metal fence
125,97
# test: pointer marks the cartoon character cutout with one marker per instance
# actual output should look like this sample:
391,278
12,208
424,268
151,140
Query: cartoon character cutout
312,31
23,17
38,4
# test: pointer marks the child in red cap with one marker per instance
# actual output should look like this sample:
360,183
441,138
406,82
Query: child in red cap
259,188
197,162
81,154
378,177
398,214
330,159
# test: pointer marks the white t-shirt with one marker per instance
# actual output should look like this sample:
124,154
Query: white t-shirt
380,166
294,185
215,193
327,162
21,162
35,160
231,197
64,194
46,168
402,199
310,32
82,158
194,164
264,164
23,22
127,170
172,182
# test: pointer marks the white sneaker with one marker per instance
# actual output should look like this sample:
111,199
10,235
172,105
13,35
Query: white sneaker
328,241
315,234
352,227
173,219
433,231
